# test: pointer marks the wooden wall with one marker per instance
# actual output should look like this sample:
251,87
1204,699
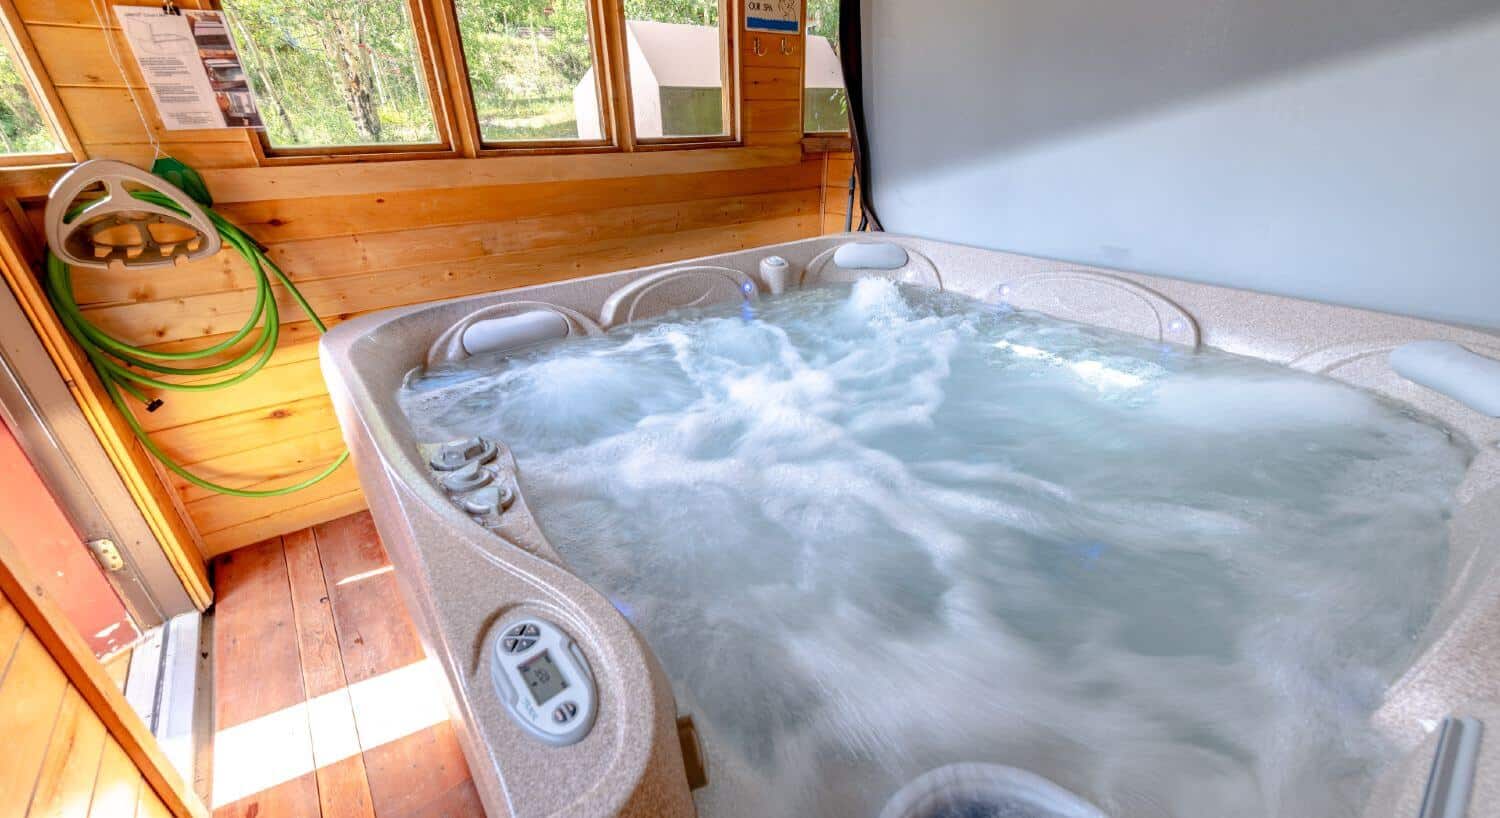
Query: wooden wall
362,237
60,760
838,165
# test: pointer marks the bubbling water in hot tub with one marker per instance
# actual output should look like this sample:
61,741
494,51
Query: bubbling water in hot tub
874,530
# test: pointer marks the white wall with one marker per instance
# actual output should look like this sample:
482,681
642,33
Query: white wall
1339,150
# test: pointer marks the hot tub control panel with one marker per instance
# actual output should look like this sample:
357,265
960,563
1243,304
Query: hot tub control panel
468,471
544,680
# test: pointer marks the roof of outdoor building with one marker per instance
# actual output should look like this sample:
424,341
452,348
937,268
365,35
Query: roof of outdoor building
687,56
681,56
823,69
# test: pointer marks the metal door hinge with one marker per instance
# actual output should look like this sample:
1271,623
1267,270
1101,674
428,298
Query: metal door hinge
108,554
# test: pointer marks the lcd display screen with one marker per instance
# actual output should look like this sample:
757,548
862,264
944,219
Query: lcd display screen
542,678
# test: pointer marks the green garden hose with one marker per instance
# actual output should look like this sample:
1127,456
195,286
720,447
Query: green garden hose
120,364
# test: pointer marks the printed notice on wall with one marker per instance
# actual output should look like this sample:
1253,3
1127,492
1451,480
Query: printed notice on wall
189,62
782,16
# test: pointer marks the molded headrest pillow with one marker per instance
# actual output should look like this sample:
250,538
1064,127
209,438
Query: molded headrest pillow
1446,367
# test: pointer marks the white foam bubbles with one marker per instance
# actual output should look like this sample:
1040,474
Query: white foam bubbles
874,530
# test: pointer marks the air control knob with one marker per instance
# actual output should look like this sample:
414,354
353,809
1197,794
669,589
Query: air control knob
491,499
456,453
467,477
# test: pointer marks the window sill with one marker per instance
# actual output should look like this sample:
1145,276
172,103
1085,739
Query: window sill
26,181
826,143
293,180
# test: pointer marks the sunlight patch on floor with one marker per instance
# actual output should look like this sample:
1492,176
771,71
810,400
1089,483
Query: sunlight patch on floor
282,746
374,572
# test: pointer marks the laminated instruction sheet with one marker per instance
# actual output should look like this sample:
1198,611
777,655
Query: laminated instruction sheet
190,64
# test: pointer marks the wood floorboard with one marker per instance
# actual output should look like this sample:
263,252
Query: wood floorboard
343,788
316,659
262,744
417,773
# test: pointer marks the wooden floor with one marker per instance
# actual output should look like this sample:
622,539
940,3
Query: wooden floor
324,703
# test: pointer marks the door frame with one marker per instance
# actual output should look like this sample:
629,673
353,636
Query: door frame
40,410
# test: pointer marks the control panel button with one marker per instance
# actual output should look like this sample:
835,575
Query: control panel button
543,681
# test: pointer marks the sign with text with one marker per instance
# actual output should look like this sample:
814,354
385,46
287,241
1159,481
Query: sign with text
780,16
191,67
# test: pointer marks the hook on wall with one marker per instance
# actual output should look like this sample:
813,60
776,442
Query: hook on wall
786,47
756,47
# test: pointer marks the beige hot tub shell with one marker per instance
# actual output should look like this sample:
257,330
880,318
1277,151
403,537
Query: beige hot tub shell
459,579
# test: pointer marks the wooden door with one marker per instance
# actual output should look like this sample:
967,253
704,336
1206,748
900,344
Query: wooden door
55,555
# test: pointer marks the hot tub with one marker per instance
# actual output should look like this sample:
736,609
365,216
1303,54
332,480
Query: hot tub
562,706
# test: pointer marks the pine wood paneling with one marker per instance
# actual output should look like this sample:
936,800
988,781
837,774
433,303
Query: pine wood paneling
66,783
31,693
117,790
359,237
773,83
226,310
838,166
331,257
59,759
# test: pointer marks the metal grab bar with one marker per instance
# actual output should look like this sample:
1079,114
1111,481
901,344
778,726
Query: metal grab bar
1452,776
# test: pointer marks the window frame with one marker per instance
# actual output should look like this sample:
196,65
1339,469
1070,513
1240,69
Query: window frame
729,78
439,42
426,36
43,96
457,70
831,138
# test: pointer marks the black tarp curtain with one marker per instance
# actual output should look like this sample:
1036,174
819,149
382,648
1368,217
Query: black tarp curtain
851,55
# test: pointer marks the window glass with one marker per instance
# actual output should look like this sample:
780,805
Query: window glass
676,59
23,128
334,72
531,67
825,105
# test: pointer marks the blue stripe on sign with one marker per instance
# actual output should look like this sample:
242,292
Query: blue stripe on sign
771,25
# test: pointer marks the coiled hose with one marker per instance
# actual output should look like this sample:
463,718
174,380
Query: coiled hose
118,363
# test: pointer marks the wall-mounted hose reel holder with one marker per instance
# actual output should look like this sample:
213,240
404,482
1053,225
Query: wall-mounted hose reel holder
120,230
104,214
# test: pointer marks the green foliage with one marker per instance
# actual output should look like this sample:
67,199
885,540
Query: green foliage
695,12
823,20
22,128
334,72
525,57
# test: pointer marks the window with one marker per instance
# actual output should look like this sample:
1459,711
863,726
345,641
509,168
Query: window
335,73
26,132
474,77
675,51
825,104
531,66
